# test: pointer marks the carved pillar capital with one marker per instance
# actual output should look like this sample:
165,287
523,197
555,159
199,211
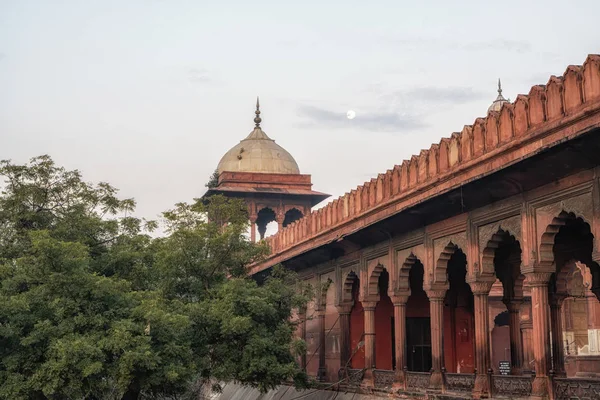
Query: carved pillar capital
436,294
344,308
513,305
536,279
480,287
369,305
400,300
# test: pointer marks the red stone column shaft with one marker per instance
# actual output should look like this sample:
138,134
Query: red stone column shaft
516,344
369,310
303,336
527,337
344,312
481,292
400,338
540,312
558,351
253,231
436,311
322,369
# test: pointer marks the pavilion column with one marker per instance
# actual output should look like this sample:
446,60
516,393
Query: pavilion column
322,369
516,344
527,337
253,228
344,313
302,315
436,311
400,338
540,313
369,311
481,291
558,350
279,218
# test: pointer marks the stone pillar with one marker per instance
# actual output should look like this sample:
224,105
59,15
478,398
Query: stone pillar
481,291
279,218
344,313
400,338
369,310
322,369
302,315
253,228
540,313
436,315
527,337
516,345
558,350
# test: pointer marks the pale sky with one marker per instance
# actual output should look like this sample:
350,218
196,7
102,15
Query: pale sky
148,95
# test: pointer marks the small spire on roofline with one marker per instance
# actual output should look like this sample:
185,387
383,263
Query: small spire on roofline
257,119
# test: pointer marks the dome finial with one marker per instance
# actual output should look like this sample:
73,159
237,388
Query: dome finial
499,87
257,119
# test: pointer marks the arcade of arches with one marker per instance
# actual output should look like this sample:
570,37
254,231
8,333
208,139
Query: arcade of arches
464,298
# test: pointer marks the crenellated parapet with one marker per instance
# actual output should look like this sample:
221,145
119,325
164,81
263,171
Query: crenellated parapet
520,129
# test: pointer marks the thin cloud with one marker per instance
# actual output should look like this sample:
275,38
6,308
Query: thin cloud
517,46
429,43
455,95
198,75
377,121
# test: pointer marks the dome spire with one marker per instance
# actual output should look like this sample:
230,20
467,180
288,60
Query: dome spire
257,119
499,87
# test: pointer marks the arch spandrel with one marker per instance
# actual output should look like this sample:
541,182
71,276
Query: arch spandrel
439,277
443,248
348,278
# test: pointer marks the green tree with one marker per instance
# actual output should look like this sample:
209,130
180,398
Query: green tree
213,181
93,307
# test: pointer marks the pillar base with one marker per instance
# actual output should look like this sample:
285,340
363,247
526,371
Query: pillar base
540,388
399,381
481,389
436,381
368,381
322,375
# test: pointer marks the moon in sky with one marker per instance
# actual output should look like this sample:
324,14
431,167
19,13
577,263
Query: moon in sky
350,114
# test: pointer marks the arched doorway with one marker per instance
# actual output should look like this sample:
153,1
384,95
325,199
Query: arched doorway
384,323
459,324
418,326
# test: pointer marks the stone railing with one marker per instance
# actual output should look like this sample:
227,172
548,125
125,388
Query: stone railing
511,386
383,378
460,382
350,377
570,96
418,381
576,389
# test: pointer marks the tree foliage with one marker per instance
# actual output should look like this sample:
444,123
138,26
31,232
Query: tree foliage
93,307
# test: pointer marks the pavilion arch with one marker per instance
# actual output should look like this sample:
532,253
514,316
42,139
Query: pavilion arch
403,279
292,215
547,240
512,280
264,216
347,285
440,272
323,290
373,282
